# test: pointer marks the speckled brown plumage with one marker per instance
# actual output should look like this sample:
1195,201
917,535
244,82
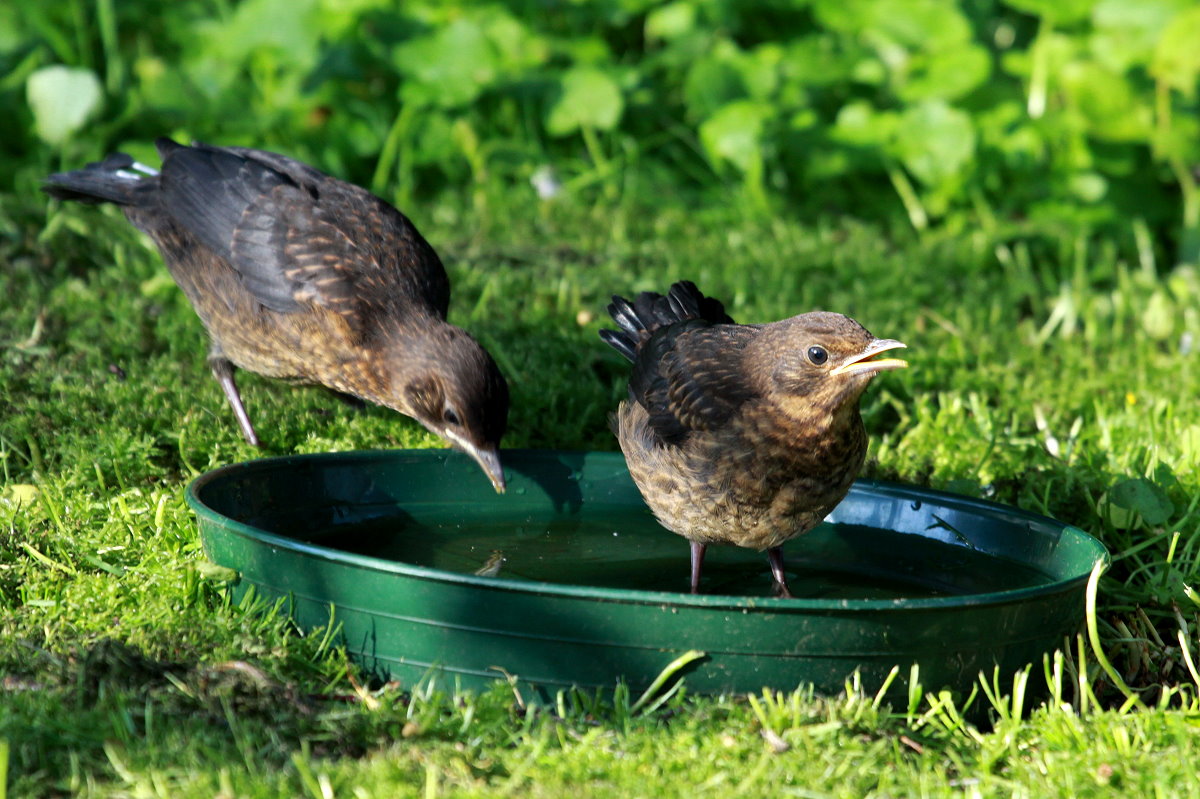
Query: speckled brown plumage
741,434
301,276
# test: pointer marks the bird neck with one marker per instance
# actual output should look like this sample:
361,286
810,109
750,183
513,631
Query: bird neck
416,338
422,351
832,443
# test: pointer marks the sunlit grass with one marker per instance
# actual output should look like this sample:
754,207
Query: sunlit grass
1041,377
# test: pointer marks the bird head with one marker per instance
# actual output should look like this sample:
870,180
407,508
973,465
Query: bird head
454,388
826,359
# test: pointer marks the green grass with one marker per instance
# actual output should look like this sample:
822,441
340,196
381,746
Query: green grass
1046,373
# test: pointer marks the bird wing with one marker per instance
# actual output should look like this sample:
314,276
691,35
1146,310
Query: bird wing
690,377
296,236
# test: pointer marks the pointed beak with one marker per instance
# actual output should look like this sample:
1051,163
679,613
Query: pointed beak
862,363
489,461
488,458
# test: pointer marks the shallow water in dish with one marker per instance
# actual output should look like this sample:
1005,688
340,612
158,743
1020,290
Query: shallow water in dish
620,548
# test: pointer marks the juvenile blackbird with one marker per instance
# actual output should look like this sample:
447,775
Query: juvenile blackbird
299,275
741,434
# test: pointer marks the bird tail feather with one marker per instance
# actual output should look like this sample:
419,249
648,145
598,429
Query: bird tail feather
650,311
117,179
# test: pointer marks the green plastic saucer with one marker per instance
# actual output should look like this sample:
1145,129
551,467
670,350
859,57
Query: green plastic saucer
568,580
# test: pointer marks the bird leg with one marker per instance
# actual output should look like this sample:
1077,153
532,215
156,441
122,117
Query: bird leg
775,557
697,563
222,369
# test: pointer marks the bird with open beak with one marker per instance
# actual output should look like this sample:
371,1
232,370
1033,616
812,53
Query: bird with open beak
741,434
301,276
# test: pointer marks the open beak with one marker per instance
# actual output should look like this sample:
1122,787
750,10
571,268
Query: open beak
862,363
488,459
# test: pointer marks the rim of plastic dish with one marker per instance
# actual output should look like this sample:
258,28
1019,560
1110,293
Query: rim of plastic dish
633,596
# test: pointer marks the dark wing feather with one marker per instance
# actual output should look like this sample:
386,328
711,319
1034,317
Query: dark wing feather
298,237
235,207
299,172
685,301
689,377
649,311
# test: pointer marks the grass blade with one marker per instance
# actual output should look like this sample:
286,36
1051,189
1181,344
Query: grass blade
673,668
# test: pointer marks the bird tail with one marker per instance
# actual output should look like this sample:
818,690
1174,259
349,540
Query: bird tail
649,311
117,179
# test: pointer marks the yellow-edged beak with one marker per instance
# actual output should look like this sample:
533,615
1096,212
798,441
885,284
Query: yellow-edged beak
488,459
862,363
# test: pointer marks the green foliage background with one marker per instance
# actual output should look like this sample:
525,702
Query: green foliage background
1009,187
1018,116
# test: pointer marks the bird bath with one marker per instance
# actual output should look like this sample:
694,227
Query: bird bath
568,580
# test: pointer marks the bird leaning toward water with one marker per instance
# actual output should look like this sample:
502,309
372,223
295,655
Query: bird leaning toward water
301,276
741,434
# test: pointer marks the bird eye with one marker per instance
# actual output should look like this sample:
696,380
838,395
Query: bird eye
818,355
450,417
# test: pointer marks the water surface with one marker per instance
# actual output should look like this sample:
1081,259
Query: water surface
627,549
